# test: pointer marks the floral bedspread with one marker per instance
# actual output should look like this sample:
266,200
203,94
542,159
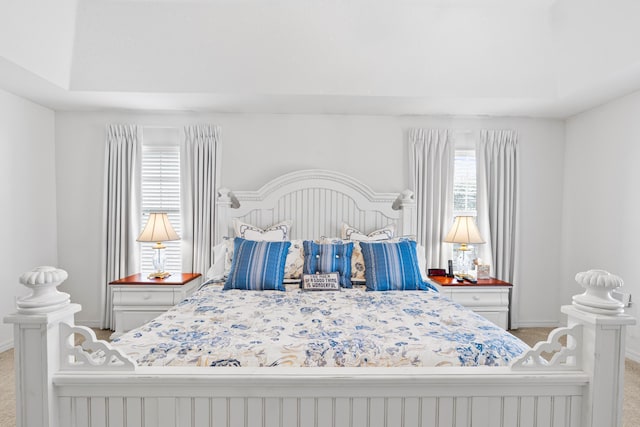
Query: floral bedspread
352,327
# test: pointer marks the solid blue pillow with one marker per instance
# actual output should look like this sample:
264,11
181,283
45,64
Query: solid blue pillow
392,266
328,258
257,266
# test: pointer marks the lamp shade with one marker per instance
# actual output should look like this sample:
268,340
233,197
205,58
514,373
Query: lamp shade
464,230
158,229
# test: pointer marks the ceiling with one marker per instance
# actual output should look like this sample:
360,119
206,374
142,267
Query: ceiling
537,58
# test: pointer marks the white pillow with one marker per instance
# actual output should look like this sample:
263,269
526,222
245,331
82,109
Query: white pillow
275,233
351,233
217,270
421,254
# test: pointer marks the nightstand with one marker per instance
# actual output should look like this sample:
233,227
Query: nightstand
137,299
491,298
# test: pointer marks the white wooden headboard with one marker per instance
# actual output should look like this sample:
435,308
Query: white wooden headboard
317,202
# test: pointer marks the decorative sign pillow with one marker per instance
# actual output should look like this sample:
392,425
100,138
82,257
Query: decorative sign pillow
350,233
321,282
329,258
275,233
257,265
392,266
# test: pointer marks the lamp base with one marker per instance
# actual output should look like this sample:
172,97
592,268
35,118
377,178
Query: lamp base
159,275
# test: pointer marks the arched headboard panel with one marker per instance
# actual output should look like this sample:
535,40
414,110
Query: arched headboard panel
317,202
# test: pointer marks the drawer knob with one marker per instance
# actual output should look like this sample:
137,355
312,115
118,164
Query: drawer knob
476,298
147,296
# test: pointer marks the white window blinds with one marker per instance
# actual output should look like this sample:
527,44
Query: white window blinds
160,180
464,182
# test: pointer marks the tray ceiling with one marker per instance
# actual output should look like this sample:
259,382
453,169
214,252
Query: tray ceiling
459,57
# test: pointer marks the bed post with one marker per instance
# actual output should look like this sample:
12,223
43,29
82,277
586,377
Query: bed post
225,201
406,204
603,346
37,345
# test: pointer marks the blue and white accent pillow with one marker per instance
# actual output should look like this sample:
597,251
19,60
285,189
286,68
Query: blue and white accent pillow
392,266
329,258
257,266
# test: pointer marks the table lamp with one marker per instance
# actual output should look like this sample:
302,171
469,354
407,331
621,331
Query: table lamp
464,231
158,229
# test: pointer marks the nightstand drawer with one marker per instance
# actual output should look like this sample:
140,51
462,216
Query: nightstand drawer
485,298
144,297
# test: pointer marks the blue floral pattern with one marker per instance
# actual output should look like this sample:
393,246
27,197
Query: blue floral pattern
352,327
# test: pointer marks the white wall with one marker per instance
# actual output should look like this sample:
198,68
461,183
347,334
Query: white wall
28,195
38,35
257,148
600,221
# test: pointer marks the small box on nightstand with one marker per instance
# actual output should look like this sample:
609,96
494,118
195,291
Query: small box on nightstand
484,271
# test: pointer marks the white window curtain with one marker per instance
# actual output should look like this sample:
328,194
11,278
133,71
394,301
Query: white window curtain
121,210
199,172
431,160
498,169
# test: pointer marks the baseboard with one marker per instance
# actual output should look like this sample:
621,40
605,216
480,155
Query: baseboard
7,345
633,355
541,324
88,323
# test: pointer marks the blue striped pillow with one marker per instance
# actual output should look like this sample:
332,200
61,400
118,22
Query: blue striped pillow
257,266
392,266
329,258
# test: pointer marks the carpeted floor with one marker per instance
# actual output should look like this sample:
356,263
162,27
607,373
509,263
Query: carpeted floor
7,390
631,408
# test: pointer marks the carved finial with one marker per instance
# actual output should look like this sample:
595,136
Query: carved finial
44,298
407,195
40,276
597,298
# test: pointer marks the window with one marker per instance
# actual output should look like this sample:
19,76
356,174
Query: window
160,191
464,194
464,182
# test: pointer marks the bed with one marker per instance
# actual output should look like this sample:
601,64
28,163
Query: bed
297,328
126,384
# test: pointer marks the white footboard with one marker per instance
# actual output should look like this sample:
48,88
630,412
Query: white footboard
59,384
375,397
